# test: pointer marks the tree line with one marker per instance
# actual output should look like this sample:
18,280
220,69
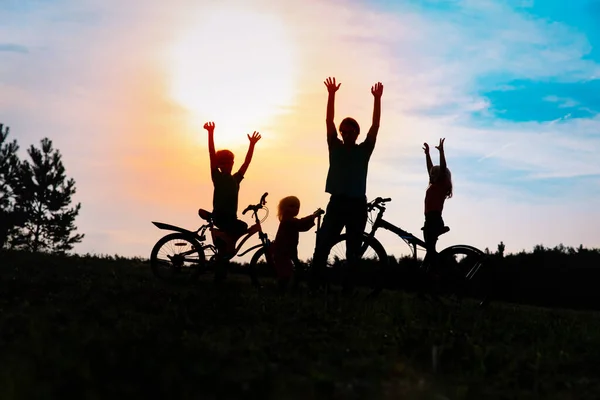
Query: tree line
36,213
559,276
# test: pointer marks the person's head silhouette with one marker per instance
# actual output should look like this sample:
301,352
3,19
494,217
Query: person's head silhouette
224,161
289,207
349,129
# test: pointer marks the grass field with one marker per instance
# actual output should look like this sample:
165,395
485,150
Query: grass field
102,328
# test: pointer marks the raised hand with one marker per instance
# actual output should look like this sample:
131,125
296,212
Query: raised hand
440,146
209,126
377,89
426,148
331,86
254,138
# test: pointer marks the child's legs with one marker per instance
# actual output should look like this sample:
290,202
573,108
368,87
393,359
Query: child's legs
299,267
333,223
299,272
238,228
283,267
356,220
233,227
223,223
430,242
431,231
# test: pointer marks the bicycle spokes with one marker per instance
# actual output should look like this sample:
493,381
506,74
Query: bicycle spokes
175,258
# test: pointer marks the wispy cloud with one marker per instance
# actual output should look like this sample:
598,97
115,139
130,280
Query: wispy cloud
13,48
99,87
562,101
493,153
554,121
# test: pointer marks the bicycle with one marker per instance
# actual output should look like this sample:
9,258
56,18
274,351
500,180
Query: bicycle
458,264
185,254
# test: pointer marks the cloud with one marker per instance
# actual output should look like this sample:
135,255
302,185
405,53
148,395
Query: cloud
468,54
97,84
13,48
562,101
493,153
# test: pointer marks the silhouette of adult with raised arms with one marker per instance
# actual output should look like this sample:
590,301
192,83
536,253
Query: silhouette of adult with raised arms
347,185
226,187
438,190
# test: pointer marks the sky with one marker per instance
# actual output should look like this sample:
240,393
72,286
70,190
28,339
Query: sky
124,88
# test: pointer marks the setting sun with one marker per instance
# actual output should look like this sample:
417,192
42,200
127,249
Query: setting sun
235,68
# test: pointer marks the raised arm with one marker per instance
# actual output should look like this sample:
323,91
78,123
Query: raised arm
427,158
440,147
331,89
210,127
376,91
253,139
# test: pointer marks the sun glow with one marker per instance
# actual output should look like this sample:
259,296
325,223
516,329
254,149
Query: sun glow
235,68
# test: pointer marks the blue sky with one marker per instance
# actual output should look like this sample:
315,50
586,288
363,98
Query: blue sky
512,85
528,66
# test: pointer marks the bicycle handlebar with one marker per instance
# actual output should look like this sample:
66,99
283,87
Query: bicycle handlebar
256,207
378,202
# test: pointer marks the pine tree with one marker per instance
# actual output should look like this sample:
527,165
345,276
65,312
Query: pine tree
9,166
500,251
44,195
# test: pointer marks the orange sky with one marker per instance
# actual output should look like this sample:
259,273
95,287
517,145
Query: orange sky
165,152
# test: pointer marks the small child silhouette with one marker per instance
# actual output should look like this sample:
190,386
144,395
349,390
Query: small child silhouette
285,247
439,189
227,187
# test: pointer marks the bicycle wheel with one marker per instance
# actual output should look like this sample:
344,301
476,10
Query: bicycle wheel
260,264
372,266
463,270
177,259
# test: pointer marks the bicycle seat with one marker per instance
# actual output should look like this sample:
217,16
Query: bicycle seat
205,215
445,229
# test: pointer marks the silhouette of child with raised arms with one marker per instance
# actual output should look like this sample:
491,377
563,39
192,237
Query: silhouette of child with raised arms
439,189
227,186
347,184
285,247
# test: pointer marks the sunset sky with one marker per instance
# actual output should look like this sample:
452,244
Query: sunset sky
123,89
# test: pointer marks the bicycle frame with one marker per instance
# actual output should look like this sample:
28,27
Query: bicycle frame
199,235
409,238
369,240
257,227
380,223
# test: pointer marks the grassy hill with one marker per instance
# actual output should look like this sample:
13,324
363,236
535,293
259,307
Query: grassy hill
103,327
